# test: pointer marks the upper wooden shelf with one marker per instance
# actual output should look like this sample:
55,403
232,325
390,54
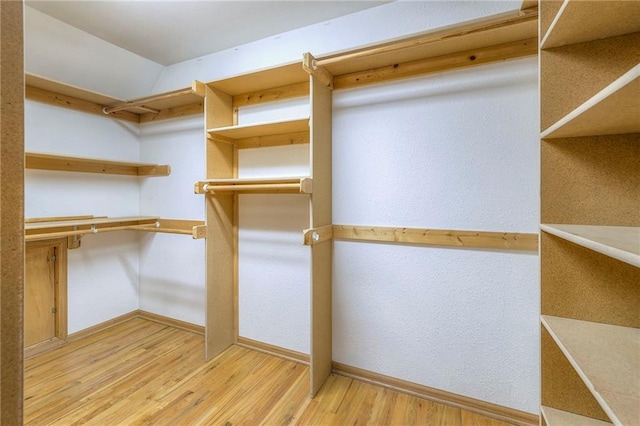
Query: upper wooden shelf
261,129
498,37
606,357
613,110
256,185
619,242
581,21
554,417
268,78
64,163
178,103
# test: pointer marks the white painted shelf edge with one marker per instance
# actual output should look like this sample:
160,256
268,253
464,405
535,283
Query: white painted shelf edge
619,85
554,417
618,242
606,358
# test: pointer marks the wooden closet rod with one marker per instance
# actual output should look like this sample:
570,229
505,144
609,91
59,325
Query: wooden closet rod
252,187
93,230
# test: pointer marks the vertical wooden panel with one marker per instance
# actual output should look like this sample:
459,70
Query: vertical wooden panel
219,246
39,295
321,254
11,212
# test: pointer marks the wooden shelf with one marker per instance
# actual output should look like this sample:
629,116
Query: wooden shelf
261,129
618,242
555,417
301,185
177,103
581,21
66,163
43,230
59,227
606,357
495,38
614,110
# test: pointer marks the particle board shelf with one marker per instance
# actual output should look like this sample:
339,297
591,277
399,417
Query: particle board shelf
301,185
582,21
618,242
261,129
606,357
177,103
42,161
613,110
554,417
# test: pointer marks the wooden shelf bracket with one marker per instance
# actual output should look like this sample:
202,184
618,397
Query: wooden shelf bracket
310,65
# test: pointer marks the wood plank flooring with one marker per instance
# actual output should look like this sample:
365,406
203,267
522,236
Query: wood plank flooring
144,373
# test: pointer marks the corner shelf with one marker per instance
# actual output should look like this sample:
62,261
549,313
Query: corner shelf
177,103
580,21
302,185
59,227
606,357
618,242
64,163
555,417
614,110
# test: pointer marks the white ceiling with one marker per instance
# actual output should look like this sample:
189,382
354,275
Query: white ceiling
169,31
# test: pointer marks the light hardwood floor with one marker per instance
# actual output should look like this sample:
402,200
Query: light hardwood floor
142,372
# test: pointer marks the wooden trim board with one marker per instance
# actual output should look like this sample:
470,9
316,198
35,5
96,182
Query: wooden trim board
278,351
494,411
439,237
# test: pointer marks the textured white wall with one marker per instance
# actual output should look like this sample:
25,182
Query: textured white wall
103,274
457,150
172,266
61,52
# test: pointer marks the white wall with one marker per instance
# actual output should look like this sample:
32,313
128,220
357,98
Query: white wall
456,150
103,274
172,266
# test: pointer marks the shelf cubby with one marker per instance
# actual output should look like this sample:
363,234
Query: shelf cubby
606,358
581,21
613,110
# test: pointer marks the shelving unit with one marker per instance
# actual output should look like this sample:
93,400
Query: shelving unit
224,140
66,163
590,193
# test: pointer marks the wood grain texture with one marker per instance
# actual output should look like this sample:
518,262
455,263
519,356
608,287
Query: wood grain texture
141,372
438,237
39,295
12,211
